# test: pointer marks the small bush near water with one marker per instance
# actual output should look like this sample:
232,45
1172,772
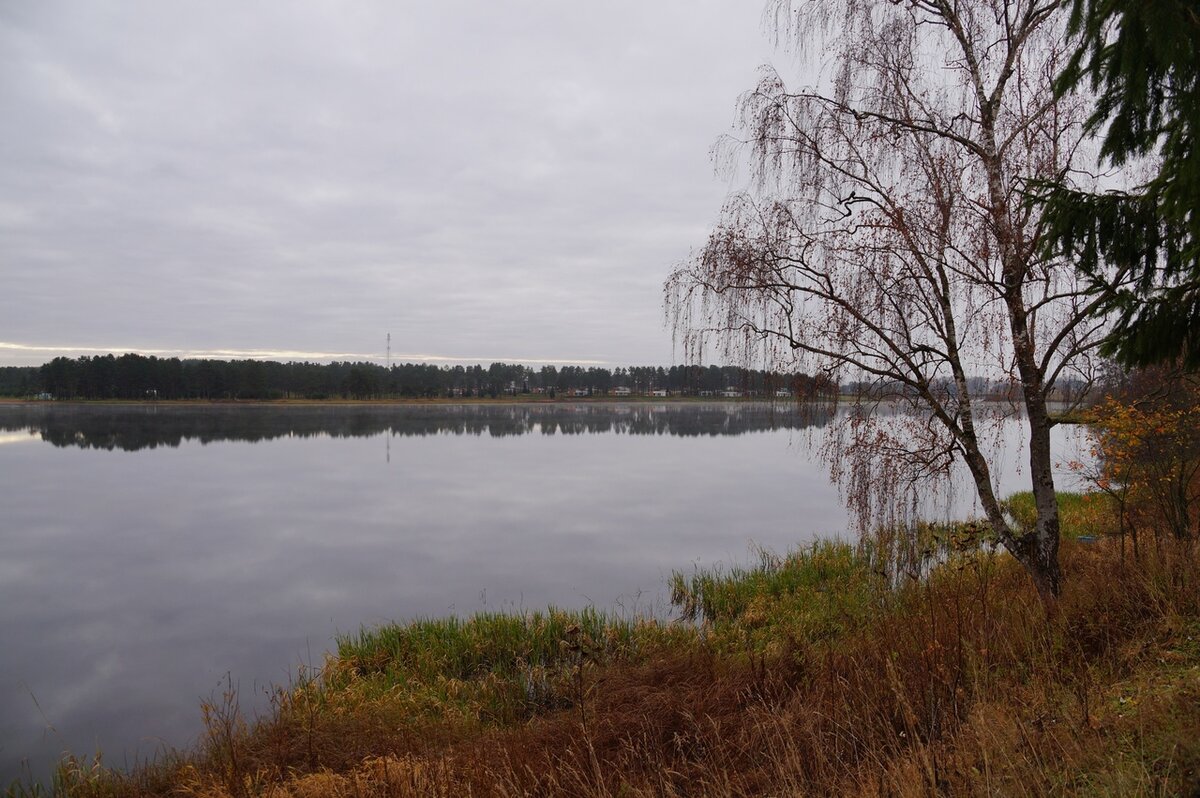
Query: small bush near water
810,674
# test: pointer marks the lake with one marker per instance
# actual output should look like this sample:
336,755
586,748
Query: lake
148,551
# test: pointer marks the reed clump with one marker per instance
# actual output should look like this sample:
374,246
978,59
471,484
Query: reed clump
817,673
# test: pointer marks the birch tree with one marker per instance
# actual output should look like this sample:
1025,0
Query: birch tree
885,237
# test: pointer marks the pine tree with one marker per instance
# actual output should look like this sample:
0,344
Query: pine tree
1141,247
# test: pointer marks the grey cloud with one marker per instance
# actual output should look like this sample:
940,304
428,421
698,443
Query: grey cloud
470,176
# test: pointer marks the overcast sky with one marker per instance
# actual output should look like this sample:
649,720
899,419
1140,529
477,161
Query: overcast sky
483,180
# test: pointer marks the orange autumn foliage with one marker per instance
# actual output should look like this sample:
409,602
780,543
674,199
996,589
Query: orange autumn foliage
1148,455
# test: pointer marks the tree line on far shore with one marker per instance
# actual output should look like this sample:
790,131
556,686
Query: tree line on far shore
133,376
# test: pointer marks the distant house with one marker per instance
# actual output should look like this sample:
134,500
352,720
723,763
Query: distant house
731,393
581,392
707,393
783,393
622,391
658,392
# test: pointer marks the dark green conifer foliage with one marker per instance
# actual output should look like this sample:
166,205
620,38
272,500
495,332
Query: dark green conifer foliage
1142,58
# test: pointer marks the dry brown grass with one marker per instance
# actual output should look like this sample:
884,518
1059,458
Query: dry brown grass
959,686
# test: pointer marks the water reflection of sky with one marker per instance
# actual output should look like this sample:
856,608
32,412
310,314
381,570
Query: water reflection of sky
145,555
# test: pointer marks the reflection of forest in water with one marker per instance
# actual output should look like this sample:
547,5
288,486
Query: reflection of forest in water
130,428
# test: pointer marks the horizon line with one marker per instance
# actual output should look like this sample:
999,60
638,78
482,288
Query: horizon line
282,354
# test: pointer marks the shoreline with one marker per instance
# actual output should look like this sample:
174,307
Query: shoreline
401,401
771,663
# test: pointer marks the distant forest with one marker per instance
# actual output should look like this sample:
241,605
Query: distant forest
133,376
135,428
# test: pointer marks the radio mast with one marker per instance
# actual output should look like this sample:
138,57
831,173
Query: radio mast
389,353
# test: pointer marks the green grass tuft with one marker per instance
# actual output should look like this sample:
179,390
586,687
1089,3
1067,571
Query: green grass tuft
491,666
815,593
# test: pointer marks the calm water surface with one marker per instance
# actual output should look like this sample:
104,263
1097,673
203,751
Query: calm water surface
146,552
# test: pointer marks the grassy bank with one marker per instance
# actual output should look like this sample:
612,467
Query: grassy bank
816,673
